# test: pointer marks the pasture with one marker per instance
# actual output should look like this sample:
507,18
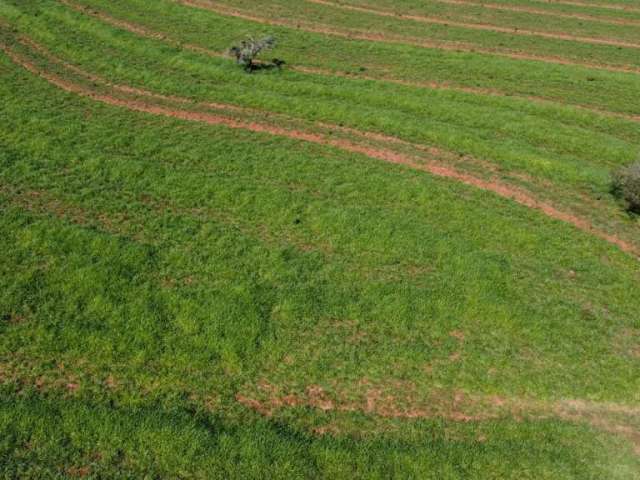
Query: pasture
397,256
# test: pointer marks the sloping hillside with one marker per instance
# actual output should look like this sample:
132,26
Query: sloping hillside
398,255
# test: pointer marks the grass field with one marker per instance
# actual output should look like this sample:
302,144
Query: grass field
397,257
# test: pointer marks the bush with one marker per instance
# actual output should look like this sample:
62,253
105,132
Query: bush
246,53
626,185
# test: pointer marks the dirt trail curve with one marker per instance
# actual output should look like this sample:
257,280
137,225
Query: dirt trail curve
438,169
478,26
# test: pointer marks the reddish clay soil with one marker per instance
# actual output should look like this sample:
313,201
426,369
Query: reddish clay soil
434,168
454,405
402,400
479,26
396,39
540,11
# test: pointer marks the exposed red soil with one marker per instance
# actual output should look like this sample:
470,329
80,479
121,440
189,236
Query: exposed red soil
142,31
402,400
540,11
434,168
79,472
457,334
397,39
479,26
611,418
455,405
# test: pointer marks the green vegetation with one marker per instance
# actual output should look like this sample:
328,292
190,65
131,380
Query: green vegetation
626,184
246,52
193,286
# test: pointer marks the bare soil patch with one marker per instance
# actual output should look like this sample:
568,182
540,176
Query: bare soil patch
402,400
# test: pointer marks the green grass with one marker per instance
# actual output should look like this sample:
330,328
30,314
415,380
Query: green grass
568,147
475,13
413,28
120,442
301,12
155,272
606,90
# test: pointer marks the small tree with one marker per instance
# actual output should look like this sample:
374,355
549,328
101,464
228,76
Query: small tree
246,53
626,185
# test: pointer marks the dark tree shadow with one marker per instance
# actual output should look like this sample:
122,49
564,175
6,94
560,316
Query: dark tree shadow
275,64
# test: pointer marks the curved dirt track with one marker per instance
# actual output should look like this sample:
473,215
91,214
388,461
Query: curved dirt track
478,26
437,169
151,34
540,11
400,40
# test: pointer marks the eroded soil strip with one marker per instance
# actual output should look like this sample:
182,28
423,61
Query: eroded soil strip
477,26
399,40
402,400
146,33
503,190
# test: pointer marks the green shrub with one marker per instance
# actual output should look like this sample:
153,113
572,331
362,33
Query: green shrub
626,185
